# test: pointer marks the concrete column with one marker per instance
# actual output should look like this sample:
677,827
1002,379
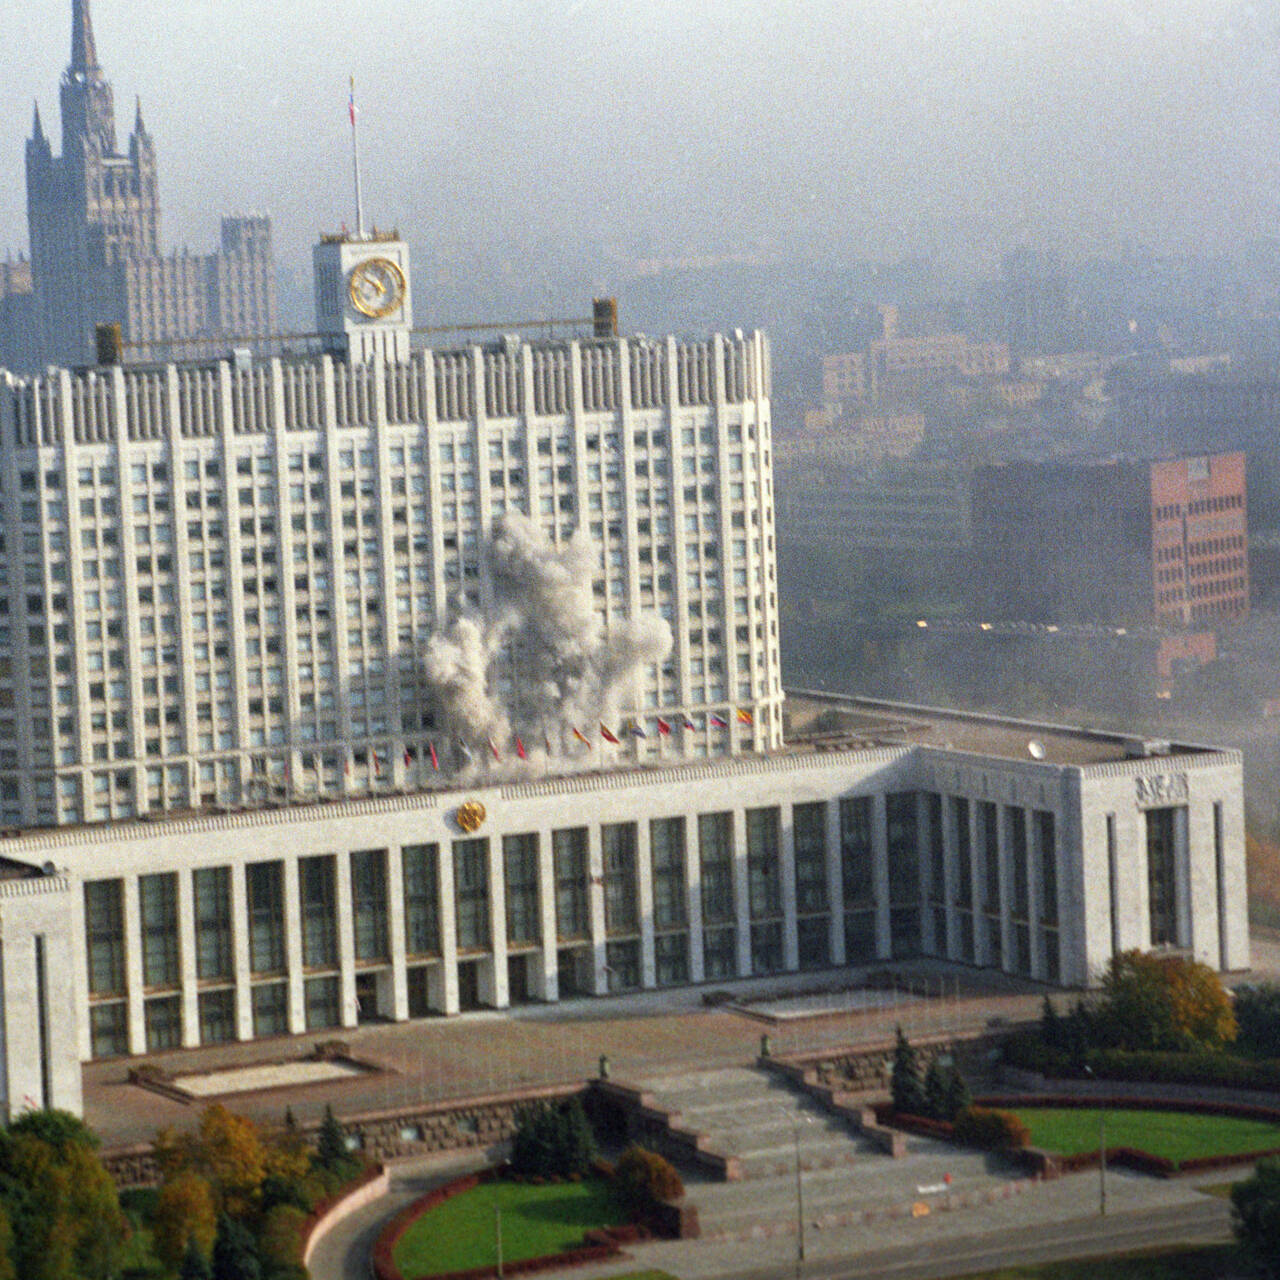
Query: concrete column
693,898
787,873
644,904
544,974
348,1008
293,945
835,881
187,960
741,891
493,971
393,992
240,953
595,907
1182,877
133,966
880,874
442,979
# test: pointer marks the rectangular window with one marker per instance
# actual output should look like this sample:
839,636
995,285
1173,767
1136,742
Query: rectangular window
104,936
212,889
621,906
318,894
270,1007
108,1029
569,853
766,947
520,872
1162,881
369,904
666,849
989,848
671,959
217,1017
964,854
715,857
720,953
158,912
809,830
813,936
1047,853
903,848
937,848
264,887
471,893
764,868
162,1018
1017,820
421,899
320,996
856,851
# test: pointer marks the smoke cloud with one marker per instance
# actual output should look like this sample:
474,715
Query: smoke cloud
538,662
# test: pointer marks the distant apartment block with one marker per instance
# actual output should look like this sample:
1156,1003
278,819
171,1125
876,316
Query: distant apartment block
1113,541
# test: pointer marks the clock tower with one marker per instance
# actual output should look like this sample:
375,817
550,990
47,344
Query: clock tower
364,311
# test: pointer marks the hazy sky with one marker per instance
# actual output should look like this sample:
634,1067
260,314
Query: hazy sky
861,127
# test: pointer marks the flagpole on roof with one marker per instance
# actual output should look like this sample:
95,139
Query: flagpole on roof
355,161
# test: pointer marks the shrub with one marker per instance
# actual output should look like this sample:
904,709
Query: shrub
1258,1016
945,1091
553,1141
990,1129
280,1236
1255,1216
1164,1002
905,1085
643,1178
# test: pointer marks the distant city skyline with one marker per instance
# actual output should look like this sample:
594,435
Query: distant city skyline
823,129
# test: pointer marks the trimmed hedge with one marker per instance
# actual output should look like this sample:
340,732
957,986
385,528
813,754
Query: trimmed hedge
991,1129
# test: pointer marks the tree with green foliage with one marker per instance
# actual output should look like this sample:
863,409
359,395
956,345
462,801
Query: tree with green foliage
936,1079
958,1096
1255,1216
553,1141
331,1142
60,1202
185,1213
195,1266
905,1085
1257,1009
1051,1029
1164,1002
235,1253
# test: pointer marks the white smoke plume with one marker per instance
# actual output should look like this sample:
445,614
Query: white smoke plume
538,664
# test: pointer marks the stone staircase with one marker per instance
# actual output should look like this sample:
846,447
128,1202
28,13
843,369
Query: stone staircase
762,1121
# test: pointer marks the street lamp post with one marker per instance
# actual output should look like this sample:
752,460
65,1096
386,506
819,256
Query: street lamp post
795,1135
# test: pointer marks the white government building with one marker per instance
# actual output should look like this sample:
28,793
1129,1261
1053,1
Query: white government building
215,735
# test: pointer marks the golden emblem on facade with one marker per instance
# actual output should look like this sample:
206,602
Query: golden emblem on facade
470,815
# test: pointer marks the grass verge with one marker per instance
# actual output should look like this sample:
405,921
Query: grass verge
1173,1135
536,1220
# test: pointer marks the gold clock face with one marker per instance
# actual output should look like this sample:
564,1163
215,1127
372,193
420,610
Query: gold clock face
377,287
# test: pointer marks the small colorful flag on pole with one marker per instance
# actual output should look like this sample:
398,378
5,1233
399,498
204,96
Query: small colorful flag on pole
493,746
716,723
546,741
346,765
435,763
408,759
663,727
607,735
637,730
377,766
351,102
745,717
520,749
581,737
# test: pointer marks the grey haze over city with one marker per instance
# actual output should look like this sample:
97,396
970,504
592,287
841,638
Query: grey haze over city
838,130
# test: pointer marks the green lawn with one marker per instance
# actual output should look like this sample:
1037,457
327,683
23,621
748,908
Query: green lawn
1175,1135
535,1221
1209,1263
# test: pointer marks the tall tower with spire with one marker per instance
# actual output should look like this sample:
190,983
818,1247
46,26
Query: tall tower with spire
93,217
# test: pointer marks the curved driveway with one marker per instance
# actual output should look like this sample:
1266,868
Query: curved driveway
344,1252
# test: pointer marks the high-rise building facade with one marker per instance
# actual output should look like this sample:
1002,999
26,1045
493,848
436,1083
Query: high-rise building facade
93,215
222,576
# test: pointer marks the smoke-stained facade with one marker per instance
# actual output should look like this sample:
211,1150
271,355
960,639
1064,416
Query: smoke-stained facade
224,579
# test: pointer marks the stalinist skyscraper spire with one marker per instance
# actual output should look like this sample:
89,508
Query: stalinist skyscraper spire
93,216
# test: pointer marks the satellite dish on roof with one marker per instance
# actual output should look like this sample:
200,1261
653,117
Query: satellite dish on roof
1035,749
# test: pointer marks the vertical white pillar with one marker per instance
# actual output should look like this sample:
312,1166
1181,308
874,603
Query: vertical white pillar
644,904
880,874
347,1005
741,891
240,953
835,881
442,982
787,873
693,898
133,966
493,972
595,903
545,974
293,945
393,995
187,960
